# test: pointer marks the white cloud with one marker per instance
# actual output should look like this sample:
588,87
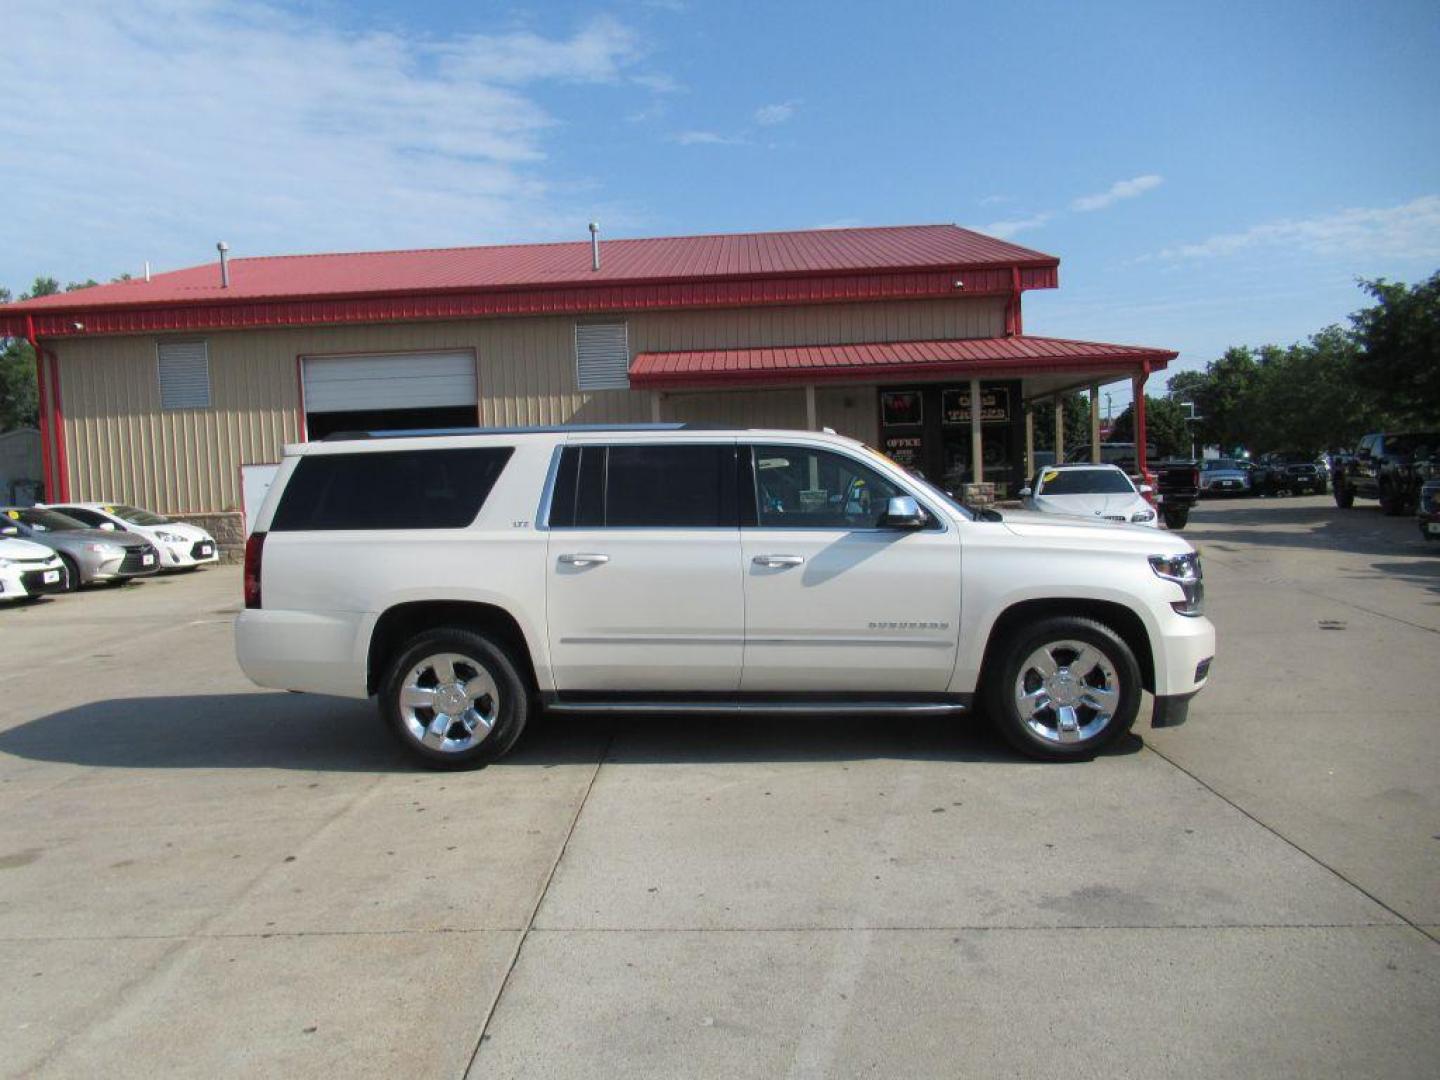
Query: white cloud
778,113
1007,229
1411,230
177,122
658,83
596,53
996,200
1121,189
706,138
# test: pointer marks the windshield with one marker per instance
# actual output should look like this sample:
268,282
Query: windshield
45,520
136,516
1219,463
1084,482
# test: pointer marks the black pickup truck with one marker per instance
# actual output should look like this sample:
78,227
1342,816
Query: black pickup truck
1389,466
1177,482
1292,471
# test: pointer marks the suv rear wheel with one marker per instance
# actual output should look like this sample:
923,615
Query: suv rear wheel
1064,688
454,699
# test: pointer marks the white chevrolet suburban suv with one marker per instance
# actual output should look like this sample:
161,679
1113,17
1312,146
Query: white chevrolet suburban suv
467,578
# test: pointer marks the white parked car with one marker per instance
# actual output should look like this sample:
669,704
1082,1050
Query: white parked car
1089,491
181,546
28,569
466,579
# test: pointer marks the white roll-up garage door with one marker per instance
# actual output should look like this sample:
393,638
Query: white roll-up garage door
398,381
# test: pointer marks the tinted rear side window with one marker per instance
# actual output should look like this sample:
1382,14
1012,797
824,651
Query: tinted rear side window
670,486
673,487
406,489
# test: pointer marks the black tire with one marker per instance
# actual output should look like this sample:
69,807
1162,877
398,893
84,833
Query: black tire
476,654
1344,497
1176,519
72,573
1006,671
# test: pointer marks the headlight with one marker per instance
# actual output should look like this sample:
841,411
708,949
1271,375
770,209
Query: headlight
106,549
169,537
1185,571
1143,515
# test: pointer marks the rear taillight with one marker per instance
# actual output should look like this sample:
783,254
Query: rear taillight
254,551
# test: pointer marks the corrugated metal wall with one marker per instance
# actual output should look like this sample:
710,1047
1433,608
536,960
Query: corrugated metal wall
122,446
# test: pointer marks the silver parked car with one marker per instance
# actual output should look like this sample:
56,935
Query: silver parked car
90,555
1224,476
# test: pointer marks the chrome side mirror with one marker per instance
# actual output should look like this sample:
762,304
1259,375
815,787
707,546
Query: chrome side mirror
1146,489
1025,493
108,526
903,512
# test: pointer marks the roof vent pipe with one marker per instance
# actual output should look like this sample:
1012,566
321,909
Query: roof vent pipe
224,250
147,269
594,245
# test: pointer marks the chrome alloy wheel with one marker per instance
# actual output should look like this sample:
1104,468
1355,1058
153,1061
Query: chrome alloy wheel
449,702
1067,691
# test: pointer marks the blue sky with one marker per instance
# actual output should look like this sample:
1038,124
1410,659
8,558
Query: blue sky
1209,174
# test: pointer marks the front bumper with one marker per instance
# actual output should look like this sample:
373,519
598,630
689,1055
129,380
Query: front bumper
1184,653
45,581
184,556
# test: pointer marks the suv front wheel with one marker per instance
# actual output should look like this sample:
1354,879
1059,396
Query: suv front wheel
454,699
1064,688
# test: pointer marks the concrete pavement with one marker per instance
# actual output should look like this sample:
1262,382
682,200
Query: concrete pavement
200,877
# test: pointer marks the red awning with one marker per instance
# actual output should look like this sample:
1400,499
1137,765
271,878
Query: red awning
969,358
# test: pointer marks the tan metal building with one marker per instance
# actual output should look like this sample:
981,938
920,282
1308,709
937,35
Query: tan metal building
157,392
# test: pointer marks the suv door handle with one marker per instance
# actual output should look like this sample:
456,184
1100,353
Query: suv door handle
583,559
778,560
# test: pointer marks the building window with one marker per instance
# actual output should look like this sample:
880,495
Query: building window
602,356
184,374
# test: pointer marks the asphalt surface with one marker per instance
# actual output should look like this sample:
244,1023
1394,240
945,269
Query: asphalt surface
198,877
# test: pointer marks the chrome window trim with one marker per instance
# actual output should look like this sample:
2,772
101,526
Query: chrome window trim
547,492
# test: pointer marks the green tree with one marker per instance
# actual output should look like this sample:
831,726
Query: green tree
18,402
1165,426
1077,422
1399,339
44,286
19,397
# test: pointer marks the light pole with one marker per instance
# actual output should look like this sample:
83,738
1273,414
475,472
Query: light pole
1189,421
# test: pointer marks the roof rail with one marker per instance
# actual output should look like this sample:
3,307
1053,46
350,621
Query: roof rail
552,429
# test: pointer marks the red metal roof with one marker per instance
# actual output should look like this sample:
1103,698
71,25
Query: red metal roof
554,277
703,368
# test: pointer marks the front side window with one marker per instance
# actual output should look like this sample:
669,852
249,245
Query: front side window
798,487
86,517
645,486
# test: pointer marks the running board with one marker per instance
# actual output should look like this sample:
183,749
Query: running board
733,708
